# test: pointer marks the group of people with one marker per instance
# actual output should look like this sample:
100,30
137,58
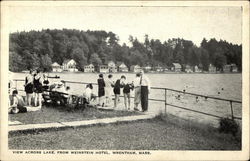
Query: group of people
140,85
35,83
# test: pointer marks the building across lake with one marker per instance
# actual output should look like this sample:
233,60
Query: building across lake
56,67
135,68
122,67
70,65
89,68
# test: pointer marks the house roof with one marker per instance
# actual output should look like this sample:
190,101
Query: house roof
55,64
135,66
121,64
89,64
177,65
67,60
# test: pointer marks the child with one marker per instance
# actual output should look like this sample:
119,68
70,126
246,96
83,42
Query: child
101,92
126,91
117,89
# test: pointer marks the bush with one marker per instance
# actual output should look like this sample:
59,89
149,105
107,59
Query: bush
161,116
228,126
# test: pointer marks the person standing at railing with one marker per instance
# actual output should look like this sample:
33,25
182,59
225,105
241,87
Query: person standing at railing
145,88
29,87
101,91
137,87
38,88
126,92
117,89
109,84
45,80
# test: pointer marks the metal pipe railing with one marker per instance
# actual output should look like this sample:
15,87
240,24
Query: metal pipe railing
178,91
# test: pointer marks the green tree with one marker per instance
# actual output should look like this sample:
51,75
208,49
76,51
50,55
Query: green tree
204,59
137,58
31,60
34,47
79,57
46,62
16,63
220,61
95,60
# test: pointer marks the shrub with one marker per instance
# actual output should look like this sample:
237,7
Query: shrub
160,116
228,126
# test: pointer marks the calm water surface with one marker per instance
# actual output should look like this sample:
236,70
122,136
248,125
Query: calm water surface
207,84
218,85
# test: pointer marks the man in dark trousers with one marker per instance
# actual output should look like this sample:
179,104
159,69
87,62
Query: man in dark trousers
145,88
101,92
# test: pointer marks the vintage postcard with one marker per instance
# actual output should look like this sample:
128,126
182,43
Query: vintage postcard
124,80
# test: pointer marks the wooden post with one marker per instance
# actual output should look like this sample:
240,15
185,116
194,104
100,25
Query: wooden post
165,101
232,112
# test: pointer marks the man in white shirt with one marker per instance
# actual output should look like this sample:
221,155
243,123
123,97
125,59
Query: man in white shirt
145,88
137,87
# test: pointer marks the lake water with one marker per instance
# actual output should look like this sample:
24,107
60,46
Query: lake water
227,86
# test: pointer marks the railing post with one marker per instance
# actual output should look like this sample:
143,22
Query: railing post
165,101
232,112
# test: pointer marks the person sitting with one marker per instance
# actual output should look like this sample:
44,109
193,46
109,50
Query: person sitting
88,93
60,88
17,105
63,93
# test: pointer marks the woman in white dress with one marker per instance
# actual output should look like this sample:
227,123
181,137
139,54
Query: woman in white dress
109,84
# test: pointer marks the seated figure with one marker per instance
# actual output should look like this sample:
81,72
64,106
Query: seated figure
88,94
17,105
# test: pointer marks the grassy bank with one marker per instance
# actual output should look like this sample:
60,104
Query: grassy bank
160,133
60,114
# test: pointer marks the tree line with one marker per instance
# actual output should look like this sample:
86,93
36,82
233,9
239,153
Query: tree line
38,49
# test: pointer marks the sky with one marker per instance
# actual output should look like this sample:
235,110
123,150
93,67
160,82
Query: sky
190,23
